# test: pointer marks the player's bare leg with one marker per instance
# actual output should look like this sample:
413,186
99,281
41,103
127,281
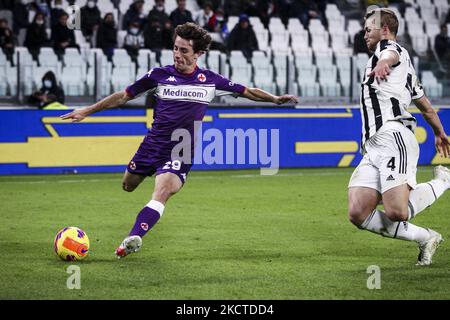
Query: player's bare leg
131,181
362,202
166,185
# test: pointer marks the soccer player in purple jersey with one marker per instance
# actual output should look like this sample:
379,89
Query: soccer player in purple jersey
183,92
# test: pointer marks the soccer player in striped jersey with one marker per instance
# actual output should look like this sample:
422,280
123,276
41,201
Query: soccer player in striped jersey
387,172
182,92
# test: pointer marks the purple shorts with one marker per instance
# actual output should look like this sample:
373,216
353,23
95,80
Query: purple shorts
145,166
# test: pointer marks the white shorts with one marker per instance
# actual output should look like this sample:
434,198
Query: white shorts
390,159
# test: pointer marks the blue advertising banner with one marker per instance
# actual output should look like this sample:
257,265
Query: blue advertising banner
38,142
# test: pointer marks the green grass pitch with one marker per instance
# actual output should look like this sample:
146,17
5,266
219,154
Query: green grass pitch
226,235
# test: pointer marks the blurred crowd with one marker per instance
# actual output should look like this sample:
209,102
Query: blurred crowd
152,30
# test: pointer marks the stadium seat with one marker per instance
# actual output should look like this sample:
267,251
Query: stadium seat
121,38
240,68
225,68
427,10
81,40
299,40
105,70
232,21
201,62
319,41
262,36
361,63
27,66
433,89
106,6
213,60
353,28
124,5
324,57
442,7
256,23
124,70
166,57
263,72
295,26
3,83
303,57
420,43
172,5
432,28
146,61
328,80
73,76
275,23
280,63
280,40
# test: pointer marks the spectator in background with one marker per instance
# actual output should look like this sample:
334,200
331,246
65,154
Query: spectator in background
57,9
215,3
134,13
206,18
221,23
305,10
37,37
91,19
107,35
159,12
164,30
153,35
359,43
7,40
157,37
180,15
219,31
6,4
243,37
442,44
133,41
265,9
233,7
33,9
20,16
168,32
62,36
49,93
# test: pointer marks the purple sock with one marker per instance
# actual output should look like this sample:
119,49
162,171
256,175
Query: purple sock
145,220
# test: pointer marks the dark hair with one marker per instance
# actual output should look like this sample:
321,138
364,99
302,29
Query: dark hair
199,36
387,17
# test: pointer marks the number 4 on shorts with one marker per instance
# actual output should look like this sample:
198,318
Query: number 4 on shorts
391,164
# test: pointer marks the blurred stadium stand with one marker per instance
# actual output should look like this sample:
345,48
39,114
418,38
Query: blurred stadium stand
315,62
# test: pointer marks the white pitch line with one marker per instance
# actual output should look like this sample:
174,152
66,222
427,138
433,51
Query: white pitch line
237,176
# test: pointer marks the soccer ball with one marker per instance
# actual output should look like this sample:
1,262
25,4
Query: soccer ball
71,244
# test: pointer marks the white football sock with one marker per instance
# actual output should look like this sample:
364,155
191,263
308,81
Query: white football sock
424,196
378,222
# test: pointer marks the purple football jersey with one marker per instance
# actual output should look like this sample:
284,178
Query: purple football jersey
181,99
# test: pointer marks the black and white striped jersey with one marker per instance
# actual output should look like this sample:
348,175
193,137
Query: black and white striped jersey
388,100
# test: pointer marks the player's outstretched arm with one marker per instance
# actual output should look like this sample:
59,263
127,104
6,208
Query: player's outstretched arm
256,94
388,59
112,101
440,138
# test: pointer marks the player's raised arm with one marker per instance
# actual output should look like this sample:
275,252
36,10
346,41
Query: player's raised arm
388,59
440,138
112,101
256,94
